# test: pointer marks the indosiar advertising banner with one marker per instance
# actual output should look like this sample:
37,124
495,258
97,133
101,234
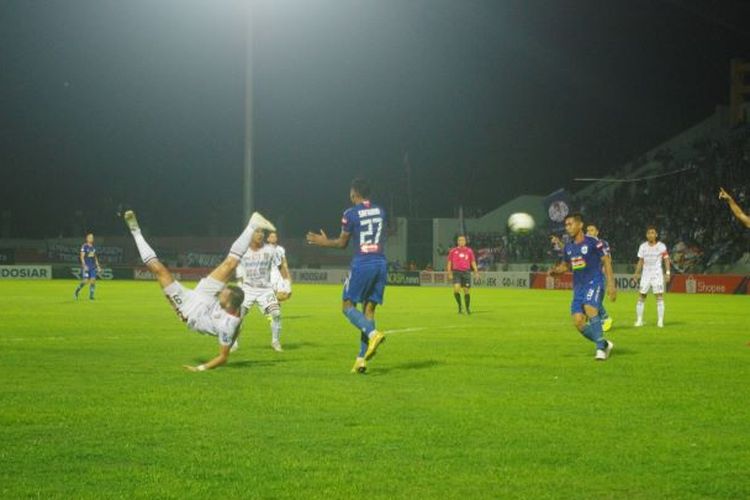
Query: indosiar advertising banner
25,272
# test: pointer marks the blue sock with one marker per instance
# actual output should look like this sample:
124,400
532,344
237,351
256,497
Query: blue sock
358,319
603,312
594,333
80,285
363,345
92,289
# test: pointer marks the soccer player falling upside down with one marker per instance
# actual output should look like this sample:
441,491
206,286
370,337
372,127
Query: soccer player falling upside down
365,224
586,256
212,308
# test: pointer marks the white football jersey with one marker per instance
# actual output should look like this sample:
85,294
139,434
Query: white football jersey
652,256
200,309
257,265
213,320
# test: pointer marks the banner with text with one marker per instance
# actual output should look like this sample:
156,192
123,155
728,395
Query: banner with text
107,273
25,272
680,283
486,279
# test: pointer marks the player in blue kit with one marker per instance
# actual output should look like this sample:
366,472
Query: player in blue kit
364,223
89,267
593,231
586,256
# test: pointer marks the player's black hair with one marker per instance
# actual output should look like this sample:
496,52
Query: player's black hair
236,297
575,215
650,227
361,187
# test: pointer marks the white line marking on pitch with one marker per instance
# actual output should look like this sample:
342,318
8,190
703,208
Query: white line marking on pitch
419,329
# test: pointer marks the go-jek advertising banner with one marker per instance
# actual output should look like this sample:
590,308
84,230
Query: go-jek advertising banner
486,279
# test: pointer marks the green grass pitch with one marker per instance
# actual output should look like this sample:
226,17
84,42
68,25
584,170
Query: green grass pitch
506,403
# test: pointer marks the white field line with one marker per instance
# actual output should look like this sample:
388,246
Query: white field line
420,328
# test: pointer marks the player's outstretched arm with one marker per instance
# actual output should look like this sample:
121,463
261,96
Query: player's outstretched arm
610,276
284,271
559,268
217,361
736,210
322,240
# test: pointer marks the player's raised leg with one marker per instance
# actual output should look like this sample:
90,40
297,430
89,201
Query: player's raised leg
226,270
148,256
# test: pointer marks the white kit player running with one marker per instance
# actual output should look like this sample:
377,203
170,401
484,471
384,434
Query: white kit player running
651,254
212,308
281,286
254,276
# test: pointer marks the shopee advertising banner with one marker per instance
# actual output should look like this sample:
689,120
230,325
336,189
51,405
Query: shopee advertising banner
709,283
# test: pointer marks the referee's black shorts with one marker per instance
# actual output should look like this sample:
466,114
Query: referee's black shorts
463,278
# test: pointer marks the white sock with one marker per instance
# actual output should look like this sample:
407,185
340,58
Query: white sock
147,253
276,328
241,244
639,307
660,309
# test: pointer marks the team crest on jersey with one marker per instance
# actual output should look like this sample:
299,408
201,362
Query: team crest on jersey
584,249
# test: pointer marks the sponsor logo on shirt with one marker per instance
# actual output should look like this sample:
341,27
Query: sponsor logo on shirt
577,263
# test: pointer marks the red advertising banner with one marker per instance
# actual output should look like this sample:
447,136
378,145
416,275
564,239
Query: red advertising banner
560,282
709,283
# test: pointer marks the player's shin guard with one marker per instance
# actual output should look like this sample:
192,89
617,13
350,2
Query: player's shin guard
660,309
358,319
144,249
241,244
594,332
276,326
363,341
639,307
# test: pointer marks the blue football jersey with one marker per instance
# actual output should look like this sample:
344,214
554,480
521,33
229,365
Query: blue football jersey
89,254
365,223
585,259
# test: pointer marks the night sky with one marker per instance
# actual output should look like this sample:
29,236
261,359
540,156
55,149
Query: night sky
141,102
